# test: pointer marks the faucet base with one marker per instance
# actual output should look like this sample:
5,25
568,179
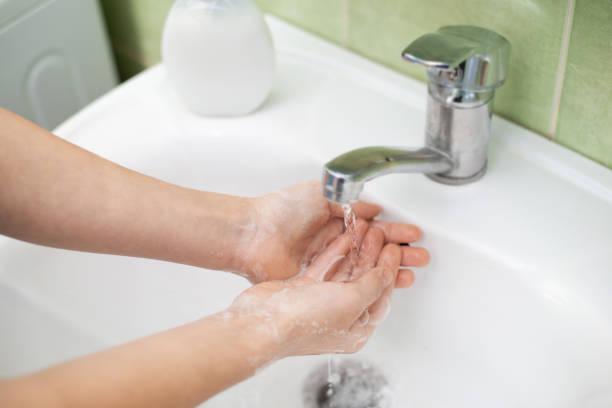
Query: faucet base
456,181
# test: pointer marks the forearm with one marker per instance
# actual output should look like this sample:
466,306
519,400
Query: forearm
55,193
178,368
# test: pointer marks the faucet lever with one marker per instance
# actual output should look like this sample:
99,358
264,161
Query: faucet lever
468,58
465,66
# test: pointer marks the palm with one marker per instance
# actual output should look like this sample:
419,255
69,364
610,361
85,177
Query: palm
292,226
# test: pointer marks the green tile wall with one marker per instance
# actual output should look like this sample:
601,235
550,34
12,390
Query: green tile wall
321,17
533,28
379,30
585,117
135,28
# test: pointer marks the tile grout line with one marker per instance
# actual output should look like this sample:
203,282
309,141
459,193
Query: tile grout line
345,23
565,43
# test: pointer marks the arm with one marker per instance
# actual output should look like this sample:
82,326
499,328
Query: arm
178,368
57,194
187,365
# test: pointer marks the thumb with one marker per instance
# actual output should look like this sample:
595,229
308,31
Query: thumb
371,284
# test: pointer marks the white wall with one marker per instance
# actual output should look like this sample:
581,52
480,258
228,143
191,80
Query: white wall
54,58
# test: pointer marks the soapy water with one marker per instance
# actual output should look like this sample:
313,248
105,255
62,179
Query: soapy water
352,385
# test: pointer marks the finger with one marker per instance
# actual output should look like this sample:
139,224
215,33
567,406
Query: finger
390,257
414,256
329,259
343,272
398,233
370,286
362,209
322,238
405,278
368,252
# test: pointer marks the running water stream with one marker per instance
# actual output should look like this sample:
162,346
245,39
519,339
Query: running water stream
333,377
347,384
351,229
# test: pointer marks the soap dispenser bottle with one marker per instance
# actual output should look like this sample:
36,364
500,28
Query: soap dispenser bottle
218,55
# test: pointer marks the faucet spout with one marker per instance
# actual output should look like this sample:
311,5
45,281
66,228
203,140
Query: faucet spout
345,176
465,65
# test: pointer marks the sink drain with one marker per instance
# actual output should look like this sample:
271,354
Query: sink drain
353,385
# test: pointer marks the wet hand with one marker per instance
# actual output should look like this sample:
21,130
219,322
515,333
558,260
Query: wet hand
291,227
320,311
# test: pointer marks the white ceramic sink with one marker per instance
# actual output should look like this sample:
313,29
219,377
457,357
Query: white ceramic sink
515,309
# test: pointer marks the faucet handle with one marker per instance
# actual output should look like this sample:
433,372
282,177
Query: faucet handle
463,57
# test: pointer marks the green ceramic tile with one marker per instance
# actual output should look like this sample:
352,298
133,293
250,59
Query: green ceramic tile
585,117
381,29
135,28
322,17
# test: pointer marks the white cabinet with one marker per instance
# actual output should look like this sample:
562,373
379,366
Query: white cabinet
54,58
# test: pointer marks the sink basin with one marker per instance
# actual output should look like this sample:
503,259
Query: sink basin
514,310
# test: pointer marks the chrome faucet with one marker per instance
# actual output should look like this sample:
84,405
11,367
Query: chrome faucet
465,65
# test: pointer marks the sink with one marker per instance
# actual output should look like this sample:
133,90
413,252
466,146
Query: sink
514,310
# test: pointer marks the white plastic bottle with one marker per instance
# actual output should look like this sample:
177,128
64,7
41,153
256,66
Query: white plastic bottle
219,55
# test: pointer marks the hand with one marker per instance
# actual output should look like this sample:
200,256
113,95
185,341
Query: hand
317,312
290,228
